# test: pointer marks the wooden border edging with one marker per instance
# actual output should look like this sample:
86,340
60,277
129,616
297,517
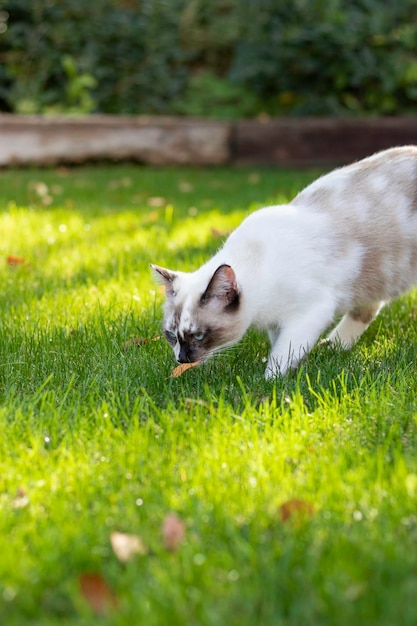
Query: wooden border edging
158,141
38,140
319,141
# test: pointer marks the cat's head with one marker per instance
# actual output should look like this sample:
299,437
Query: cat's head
202,311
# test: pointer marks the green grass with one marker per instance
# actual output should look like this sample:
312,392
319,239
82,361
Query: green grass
96,437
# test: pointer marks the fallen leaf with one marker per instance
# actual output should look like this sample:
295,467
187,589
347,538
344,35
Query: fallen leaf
97,593
185,187
156,201
254,178
153,216
47,200
40,188
180,369
21,500
62,170
173,532
295,507
215,232
191,403
140,341
117,184
126,546
13,261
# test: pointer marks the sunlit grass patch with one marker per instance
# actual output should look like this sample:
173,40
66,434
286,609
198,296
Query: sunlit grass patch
298,498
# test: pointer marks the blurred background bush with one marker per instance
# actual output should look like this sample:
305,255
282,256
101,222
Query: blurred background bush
217,58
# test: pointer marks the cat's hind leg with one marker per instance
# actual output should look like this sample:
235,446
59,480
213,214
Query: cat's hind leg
353,324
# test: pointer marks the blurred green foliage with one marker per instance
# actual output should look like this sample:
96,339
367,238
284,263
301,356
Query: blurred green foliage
215,58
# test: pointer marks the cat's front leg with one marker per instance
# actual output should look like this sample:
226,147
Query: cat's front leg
273,334
297,338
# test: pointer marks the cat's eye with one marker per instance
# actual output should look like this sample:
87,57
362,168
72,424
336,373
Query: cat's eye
171,336
199,336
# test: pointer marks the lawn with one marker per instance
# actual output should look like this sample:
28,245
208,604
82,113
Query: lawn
241,502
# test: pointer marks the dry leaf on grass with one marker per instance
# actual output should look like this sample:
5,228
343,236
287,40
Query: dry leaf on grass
126,547
185,187
254,178
21,500
97,593
215,232
180,369
14,261
140,341
173,532
156,201
295,507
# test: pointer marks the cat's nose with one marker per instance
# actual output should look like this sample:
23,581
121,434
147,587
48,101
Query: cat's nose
183,355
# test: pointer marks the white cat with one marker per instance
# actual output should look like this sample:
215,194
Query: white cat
345,245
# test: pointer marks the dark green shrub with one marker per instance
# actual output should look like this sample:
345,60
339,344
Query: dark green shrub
209,95
217,58
329,57
128,60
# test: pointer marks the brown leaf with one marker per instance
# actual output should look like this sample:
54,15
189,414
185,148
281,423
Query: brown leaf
215,232
140,341
254,178
13,261
97,593
156,201
185,187
41,189
126,546
180,369
153,216
191,403
21,500
295,507
173,532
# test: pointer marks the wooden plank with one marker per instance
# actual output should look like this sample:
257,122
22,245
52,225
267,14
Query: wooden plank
318,141
157,141
296,142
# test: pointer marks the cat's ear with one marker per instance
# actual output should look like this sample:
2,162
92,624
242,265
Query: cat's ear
164,277
222,287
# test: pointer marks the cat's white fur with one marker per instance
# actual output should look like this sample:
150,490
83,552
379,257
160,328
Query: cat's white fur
345,245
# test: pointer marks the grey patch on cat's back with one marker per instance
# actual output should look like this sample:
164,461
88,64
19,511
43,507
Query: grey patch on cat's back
320,198
254,249
414,195
371,279
414,258
362,314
